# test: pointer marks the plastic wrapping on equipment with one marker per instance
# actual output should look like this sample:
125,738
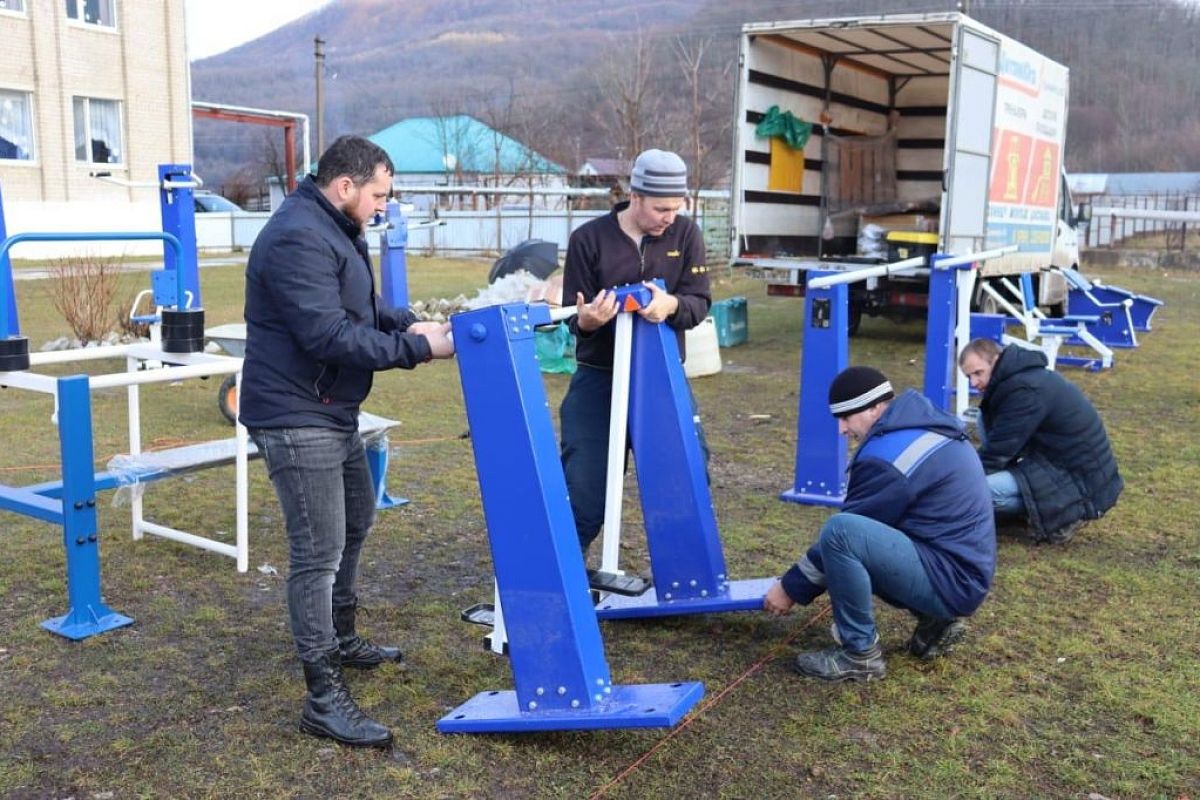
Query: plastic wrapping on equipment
872,241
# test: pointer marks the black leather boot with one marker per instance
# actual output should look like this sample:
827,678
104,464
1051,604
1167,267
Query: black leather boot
330,711
354,649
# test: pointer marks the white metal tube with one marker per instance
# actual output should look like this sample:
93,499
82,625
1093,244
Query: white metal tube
133,398
1147,213
618,418
189,538
242,489
965,285
79,354
854,276
970,258
164,375
30,381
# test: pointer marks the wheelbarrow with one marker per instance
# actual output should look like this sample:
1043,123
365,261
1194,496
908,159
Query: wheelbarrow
232,339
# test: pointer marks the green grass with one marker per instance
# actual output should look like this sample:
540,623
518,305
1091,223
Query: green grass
1078,675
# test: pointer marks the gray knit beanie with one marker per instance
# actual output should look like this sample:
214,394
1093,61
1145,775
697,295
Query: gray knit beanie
657,173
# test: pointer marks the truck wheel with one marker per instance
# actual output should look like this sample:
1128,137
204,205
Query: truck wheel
227,399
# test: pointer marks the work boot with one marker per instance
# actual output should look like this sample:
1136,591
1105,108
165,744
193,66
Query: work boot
354,649
1066,533
935,636
330,711
838,664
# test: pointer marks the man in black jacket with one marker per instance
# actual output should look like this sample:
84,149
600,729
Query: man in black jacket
1045,448
639,240
315,335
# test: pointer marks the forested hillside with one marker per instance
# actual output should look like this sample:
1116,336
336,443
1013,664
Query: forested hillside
579,78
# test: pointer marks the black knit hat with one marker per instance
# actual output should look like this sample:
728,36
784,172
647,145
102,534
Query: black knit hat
857,389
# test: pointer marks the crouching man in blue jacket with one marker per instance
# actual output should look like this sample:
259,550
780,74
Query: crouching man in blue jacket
315,336
916,530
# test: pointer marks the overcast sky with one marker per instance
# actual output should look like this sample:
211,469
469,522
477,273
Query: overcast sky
214,26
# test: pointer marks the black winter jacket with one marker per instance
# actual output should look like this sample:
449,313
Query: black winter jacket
315,332
600,256
1042,428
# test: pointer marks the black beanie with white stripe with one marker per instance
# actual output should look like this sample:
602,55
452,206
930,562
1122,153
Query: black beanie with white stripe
857,389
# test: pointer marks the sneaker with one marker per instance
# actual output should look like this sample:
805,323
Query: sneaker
935,636
1065,533
838,664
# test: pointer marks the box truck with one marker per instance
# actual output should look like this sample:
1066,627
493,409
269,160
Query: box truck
870,139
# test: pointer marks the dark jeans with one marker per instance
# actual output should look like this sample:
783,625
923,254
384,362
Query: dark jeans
862,557
323,483
584,419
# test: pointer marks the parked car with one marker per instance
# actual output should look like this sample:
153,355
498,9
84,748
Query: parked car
207,202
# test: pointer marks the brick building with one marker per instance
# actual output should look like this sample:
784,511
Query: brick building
88,86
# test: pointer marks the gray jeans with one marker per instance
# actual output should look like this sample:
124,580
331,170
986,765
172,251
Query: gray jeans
323,483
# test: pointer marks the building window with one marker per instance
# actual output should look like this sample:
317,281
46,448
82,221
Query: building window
93,12
17,6
16,125
98,131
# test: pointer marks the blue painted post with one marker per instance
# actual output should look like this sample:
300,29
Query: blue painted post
940,353
377,461
178,210
87,615
557,656
821,452
393,258
9,321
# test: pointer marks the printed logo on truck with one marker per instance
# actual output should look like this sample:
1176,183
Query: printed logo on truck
1026,150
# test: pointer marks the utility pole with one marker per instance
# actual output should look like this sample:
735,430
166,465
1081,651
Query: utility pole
319,55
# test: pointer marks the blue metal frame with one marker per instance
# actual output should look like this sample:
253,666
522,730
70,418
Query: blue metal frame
177,208
686,556
393,259
72,501
821,452
557,655
87,615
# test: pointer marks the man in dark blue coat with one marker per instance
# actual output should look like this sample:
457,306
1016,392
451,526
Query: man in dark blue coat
916,529
315,336
1045,449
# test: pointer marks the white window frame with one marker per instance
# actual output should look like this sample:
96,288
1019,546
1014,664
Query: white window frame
80,10
87,122
21,9
33,149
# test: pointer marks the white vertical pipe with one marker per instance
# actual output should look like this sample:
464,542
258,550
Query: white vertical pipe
133,393
618,419
242,480
965,281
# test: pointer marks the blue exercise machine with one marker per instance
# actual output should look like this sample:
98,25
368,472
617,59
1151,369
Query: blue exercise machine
557,655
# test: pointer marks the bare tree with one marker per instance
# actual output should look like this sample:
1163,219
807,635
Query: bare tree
629,106
706,115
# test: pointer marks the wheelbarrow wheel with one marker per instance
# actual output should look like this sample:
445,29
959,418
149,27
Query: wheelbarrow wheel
227,398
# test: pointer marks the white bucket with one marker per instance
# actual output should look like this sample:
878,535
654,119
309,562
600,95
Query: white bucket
703,351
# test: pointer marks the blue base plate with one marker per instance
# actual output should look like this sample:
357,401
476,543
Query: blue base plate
80,626
808,499
647,705
742,596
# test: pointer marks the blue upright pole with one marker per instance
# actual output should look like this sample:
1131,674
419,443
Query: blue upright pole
561,676
87,614
393,258
821,451
940,352
178,210
9,322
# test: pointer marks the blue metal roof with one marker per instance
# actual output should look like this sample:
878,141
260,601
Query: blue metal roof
421,145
